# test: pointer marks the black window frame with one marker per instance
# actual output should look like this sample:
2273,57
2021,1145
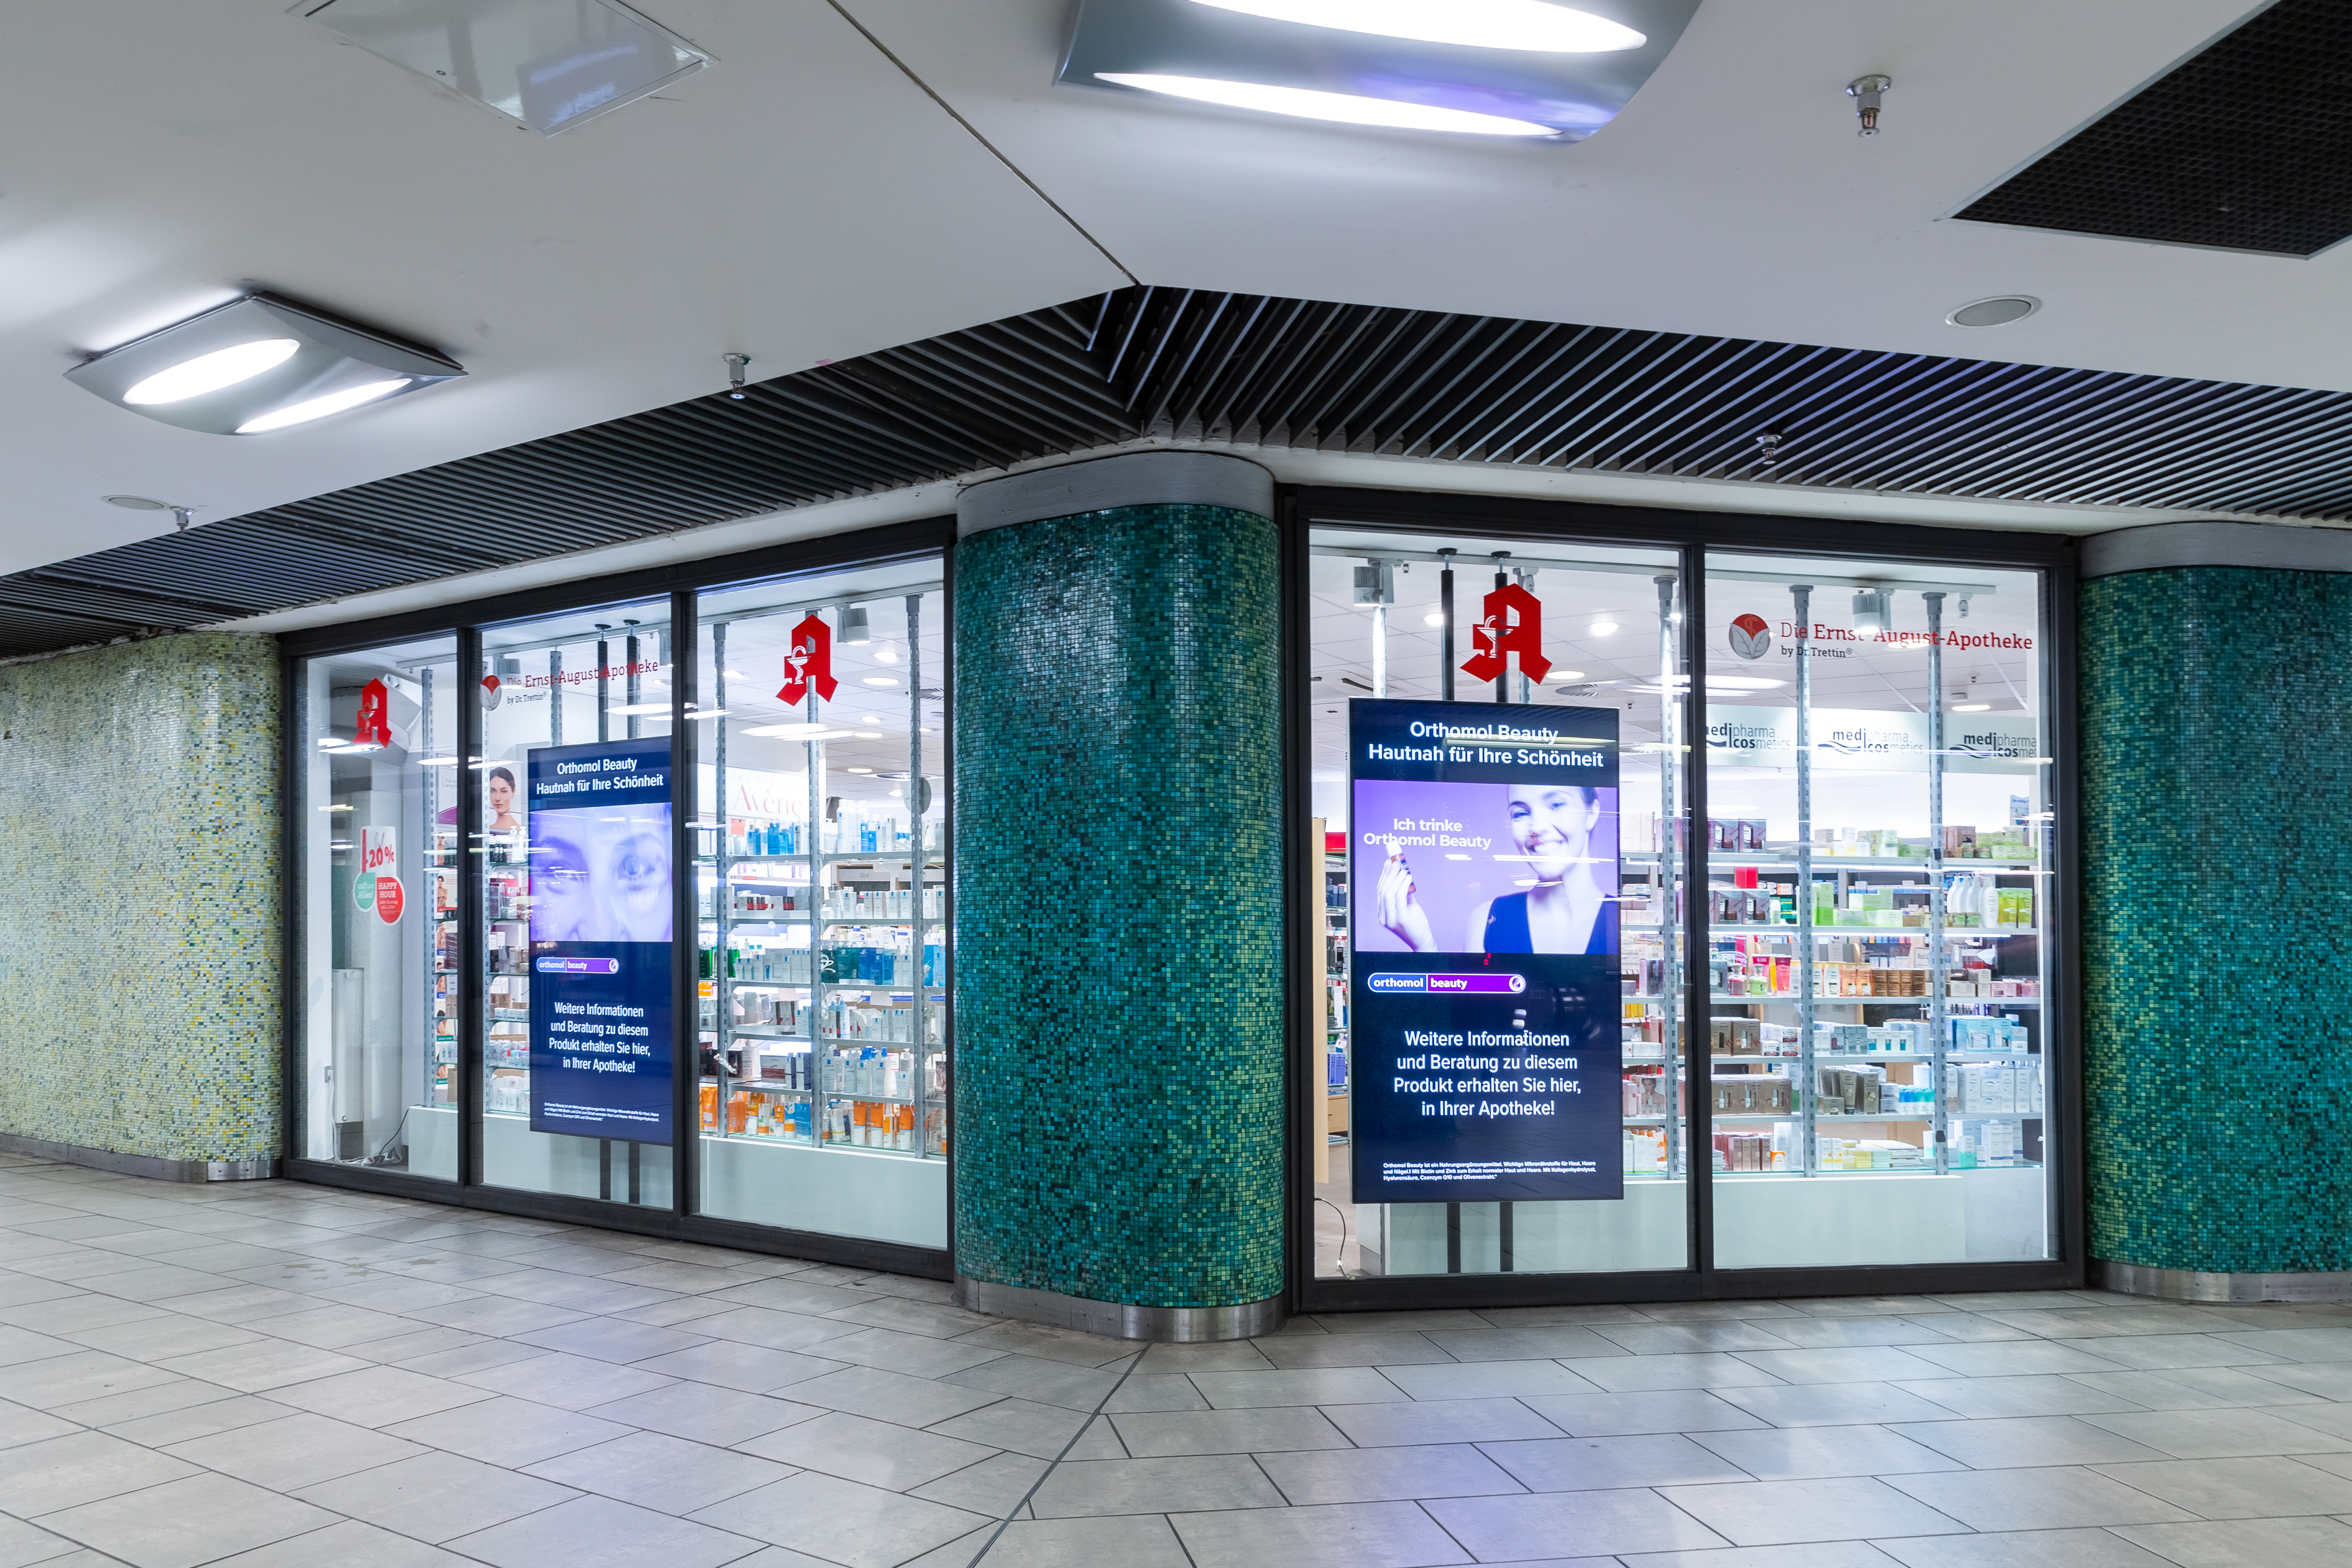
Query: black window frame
682,582
1693,535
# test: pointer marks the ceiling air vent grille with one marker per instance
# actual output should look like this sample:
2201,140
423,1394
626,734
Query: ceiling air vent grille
2246,146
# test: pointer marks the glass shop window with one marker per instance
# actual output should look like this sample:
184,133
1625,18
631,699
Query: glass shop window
822,883
573,848
1499,823
376,790
1878,874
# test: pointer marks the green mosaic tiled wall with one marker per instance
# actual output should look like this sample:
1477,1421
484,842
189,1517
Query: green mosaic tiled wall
139,938
1118,886
2217,810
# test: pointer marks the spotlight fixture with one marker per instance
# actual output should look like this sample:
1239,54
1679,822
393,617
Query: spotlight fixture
258,364
547,64
736,365
1487,67
1873,610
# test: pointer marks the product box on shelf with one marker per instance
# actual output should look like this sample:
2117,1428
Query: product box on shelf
1645,1150
1752,1094
1645,1093
1734,1037
1741,1150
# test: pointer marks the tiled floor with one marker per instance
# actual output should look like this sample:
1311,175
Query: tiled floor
279,1376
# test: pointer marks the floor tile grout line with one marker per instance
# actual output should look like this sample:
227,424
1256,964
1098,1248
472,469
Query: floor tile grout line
1084,1427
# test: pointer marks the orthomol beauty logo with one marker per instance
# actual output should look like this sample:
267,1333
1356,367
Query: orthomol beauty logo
1751,636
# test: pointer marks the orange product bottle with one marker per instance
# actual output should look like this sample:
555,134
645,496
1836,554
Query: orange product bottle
738,1111
710,1107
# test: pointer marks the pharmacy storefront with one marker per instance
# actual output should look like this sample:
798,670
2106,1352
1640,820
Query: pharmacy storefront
1161,902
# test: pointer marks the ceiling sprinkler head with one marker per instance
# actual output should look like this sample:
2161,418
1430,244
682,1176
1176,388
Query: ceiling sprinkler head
1866,92
180,515
1768,449
735,367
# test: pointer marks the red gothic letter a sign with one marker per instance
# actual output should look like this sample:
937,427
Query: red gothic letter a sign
811,661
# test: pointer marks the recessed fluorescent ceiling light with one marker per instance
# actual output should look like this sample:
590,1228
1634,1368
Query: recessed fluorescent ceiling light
210,372
258,364
1479,24
1521,69
320,407
1344,107
548,64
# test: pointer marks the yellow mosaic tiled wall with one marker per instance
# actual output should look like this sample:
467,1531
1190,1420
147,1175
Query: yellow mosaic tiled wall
138,898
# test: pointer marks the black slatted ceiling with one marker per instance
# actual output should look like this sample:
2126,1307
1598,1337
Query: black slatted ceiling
2248,146
1253,370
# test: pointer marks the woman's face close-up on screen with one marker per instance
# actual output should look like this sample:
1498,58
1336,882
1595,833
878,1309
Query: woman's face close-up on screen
601,876
1552,825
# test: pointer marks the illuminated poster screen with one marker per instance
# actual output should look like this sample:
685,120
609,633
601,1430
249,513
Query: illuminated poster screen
600,939
1485,999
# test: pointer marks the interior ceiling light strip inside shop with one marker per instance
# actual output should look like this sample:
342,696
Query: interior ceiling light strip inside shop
1251,371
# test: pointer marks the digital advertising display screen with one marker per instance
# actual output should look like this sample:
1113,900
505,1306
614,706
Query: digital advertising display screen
600,912
1485,1000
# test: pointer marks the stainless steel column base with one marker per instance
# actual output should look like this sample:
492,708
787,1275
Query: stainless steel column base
2190,1285
1121,1321
154,1167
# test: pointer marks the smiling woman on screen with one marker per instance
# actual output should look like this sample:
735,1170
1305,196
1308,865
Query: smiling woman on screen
1565,911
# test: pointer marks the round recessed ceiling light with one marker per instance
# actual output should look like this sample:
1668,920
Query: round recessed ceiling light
320,407
1340,108
1971,706
1603,628
210,372
1533,25
1434,618
1997,312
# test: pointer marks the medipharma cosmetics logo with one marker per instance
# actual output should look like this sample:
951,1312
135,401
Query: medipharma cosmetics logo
1750,637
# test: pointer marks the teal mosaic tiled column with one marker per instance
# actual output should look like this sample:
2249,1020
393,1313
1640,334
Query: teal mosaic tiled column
2217,909
140,934
1119,981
